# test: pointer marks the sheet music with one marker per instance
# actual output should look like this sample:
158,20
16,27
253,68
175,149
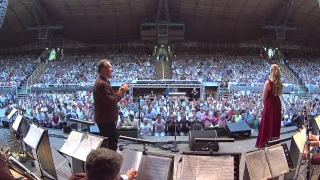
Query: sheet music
131,159
317,119
189,167
33,137
17,122
257,165
87,144
277,160
14,110
72,143
154,167
197,168
300,139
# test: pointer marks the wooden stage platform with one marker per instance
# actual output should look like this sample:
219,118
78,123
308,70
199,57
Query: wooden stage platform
241,146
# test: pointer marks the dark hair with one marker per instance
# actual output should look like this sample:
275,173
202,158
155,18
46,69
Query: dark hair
103,164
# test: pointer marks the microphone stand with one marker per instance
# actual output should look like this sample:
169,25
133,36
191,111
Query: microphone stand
139,114
175,146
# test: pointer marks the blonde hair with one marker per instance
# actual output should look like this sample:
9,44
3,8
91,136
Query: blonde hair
275,76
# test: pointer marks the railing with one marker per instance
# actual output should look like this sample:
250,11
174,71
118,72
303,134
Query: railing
9,89
256,84
290,74
34,74
162,69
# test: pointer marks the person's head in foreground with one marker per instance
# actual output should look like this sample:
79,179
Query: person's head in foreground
105,164
275,77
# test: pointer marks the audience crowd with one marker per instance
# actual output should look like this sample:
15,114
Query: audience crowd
161,116
16,70
81,70
238,69
158,116
307,70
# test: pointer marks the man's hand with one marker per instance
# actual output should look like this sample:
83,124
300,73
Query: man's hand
132,174
124,87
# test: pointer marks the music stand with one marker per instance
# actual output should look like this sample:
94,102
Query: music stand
42,153
246,175
236,156
175,146
10,121
78,159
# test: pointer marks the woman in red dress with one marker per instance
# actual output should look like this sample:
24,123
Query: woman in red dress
271,116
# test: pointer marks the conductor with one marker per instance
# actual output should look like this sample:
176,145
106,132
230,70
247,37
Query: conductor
105,103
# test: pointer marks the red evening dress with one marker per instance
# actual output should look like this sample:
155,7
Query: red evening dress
271,119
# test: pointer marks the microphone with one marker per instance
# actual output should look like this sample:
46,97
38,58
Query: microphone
65,158
22,167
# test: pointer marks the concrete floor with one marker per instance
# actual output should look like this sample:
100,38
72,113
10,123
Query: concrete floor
62,167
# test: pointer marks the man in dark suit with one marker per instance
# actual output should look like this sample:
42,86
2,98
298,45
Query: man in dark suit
105,104
104,164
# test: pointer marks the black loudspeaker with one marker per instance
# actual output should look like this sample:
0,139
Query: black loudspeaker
67,129
238,130
202,146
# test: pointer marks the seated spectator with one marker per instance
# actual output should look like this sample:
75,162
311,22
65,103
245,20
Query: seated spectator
145,128
242,119
215,118
133,123
55,120
159,126
47,120
254,122
122,122
104,164
206,119
172,126
185,126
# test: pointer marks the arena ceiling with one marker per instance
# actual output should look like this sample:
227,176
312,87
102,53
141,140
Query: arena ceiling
109,21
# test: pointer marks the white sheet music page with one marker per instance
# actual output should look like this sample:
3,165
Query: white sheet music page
277,160
33,136
72,143
189,167
87,144
154,167
257,165
222,166
14,110
300,139
131,159
202,167
17,122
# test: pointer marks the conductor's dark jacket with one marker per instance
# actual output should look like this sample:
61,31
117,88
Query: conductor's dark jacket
105,101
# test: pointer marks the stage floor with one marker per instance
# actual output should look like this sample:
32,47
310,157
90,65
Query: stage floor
242,146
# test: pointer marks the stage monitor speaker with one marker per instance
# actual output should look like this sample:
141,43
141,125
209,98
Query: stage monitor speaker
202,146
238,130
